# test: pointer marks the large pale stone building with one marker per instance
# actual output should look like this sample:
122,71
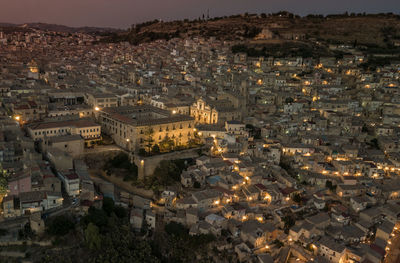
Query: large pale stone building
135,127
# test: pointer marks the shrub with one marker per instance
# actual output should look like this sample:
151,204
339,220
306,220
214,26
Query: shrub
60,226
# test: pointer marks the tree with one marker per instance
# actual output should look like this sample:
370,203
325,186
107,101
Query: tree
156,148
96,216
329,184
142,152
25,232
92,235
289,222
177,229
3,185
108,205
60,226
374,143
289,100
149,132
167,144
278,243
3,181
297,198
120,211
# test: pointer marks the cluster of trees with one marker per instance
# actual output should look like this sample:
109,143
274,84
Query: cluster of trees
330,185
61,225
149,36
179,246
168,172
104,235
252,31
122,161
374,62
254,131
166,145
139,26
109,237
289,221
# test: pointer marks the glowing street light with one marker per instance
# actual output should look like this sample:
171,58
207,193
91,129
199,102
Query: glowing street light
96,108
17,118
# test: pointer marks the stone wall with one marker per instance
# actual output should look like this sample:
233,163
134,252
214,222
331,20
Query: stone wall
147,165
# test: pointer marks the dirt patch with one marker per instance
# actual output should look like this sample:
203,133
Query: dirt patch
120,183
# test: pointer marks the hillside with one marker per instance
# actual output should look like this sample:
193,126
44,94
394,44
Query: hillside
8,27
372,31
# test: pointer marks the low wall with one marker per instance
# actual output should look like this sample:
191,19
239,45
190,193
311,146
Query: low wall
27,242
147,165
12,254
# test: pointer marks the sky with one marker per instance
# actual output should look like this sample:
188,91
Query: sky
123,13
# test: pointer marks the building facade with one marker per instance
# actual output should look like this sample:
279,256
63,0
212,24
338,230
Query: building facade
135,127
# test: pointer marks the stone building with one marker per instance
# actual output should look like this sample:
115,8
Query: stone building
135,127
207,111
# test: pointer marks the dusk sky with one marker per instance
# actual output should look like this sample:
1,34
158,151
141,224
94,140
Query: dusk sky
123,13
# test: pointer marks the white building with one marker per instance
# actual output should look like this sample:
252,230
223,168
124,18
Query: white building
71,182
